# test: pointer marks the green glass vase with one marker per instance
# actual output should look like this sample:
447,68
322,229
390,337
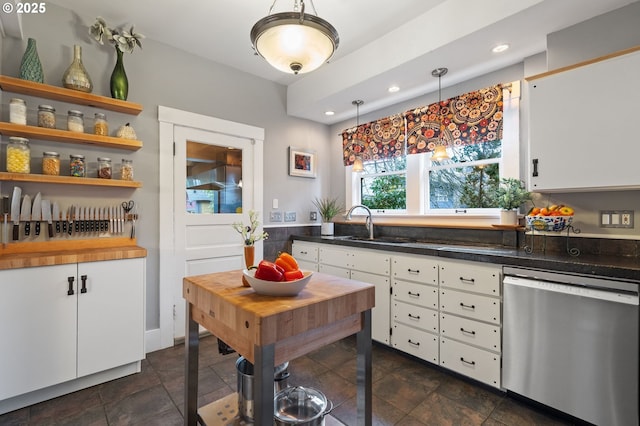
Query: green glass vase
119,82
30,67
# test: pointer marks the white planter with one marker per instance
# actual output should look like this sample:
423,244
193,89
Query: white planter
508,217
326,229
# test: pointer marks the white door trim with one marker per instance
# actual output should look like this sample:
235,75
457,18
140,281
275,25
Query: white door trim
168,118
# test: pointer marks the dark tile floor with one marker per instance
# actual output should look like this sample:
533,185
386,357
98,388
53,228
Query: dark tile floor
405,392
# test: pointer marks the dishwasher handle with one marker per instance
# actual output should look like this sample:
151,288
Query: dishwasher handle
627,298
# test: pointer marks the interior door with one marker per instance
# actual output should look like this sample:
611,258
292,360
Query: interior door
213,188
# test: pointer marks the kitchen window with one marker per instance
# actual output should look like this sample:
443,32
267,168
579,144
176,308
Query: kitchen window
411,184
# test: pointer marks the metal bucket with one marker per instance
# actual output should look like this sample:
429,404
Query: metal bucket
244,371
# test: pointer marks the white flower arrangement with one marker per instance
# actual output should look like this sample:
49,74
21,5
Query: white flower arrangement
125,41
248,232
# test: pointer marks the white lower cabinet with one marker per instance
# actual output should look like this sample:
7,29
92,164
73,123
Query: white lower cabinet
306,254
64,322
470,320
448,312
370,266
415,306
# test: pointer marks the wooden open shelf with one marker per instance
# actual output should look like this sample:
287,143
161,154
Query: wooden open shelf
41,133
68,180
31,88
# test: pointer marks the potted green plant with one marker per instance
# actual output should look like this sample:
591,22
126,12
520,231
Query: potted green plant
328,209
510,195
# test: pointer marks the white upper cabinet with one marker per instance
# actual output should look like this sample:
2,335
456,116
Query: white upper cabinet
582,125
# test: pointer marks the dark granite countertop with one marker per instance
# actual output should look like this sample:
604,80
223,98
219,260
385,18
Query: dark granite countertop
619,267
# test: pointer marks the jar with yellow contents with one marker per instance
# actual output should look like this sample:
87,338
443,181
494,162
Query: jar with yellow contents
18,155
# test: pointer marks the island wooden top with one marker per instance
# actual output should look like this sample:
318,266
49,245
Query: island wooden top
328,308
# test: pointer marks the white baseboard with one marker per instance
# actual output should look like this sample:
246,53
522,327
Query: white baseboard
152,340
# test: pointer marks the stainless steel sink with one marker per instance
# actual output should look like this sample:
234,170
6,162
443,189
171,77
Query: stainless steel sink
387,240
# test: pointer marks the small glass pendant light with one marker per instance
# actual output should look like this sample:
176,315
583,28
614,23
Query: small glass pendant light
440,152
358,165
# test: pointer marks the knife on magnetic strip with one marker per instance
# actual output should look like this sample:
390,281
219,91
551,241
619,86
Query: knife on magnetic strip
25,214
46,216
36,212
15,211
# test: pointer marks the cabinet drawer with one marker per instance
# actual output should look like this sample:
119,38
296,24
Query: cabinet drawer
307,266
469,305
470,277
415,268
417,294
478,364
415,342
469,331
335,257
335,271
369,261
302,251
415,316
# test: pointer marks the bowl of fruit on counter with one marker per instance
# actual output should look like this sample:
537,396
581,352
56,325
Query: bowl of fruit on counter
553,218
280,278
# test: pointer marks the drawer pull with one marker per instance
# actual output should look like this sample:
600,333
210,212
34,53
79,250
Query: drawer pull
413,294
415,317
70,280
467,280
467,362
467,331
467,306
304,252
413,271
413,343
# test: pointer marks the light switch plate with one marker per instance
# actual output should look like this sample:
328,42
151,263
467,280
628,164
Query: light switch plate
616,218
290,216
275,217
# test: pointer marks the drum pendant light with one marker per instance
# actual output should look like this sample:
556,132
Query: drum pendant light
358,165
440,151
294,42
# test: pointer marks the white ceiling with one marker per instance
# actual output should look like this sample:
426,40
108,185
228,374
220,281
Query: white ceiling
381,42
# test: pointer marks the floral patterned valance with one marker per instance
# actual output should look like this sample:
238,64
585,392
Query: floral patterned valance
470,118
379,139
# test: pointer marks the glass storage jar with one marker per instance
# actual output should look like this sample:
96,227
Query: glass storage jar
126,169
77,165
75,121
100,125
104,168
50,163
46,116
18,155
17,111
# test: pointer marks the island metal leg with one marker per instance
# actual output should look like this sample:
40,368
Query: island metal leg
263,384
363,371
191,347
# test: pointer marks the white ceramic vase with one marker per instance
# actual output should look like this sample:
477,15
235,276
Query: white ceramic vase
509,217
326,229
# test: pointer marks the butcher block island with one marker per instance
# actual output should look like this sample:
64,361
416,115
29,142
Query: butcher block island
270,330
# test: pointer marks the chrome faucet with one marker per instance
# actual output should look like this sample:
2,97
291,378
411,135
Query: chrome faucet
368,221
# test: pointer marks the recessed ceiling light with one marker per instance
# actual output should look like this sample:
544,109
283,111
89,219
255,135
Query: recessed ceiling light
393,89
500,48
329,113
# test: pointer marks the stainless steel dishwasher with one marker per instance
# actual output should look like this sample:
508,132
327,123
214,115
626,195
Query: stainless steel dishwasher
571,342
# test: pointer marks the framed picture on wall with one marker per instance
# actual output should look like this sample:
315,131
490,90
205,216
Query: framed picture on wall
302,162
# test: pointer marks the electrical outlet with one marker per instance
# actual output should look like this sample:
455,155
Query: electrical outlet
275,217
290,216
616,218
313,216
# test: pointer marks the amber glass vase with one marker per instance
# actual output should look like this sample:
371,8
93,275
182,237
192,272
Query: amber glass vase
249,257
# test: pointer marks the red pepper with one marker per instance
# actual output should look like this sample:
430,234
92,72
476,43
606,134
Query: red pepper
293,275
269,271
